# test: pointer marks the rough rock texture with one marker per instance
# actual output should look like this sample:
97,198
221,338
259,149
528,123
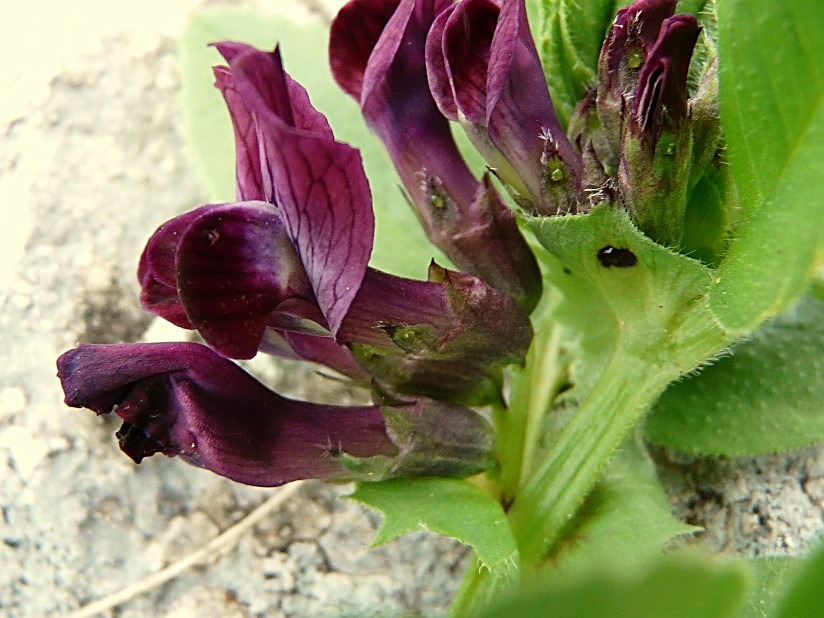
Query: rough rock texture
92,161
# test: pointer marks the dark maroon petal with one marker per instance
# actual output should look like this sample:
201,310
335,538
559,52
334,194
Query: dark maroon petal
437,72
318,184
247,150
467,45
157,271
521,119
663,80
184,400
354,34
235,267
634,30
264,76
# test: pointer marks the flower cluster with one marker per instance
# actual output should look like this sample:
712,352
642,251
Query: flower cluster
284,269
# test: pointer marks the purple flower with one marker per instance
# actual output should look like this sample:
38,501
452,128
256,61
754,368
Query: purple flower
236,274
284,270
377,54
485,73
182,399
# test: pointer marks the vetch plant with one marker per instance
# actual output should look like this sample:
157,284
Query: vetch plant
638,256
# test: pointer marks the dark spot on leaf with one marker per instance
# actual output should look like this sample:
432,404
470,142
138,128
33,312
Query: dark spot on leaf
567,271
611,256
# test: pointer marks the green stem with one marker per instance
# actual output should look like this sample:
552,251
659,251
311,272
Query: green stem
478,588
533,390
555,491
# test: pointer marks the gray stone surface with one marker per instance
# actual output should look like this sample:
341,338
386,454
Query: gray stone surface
92,161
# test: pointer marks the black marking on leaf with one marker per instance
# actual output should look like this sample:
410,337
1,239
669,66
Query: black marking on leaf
611,256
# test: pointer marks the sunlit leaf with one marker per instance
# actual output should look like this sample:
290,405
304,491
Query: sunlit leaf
452,507
772,112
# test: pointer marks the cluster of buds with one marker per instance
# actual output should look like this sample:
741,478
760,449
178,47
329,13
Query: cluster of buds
284,269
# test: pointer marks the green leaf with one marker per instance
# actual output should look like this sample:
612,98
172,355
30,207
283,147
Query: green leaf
766,397
806,589
769,579
654,295
452,507
400,245
772,112
625,519
667,588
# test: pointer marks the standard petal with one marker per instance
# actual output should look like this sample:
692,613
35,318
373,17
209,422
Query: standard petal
663,80
317,183
235,267
247,150
437,71
184,400
467,45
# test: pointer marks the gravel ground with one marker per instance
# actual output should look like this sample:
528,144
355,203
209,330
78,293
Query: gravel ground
92,162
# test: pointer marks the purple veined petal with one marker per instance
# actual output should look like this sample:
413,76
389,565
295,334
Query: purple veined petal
157,271
236,266
280,93
663,79
521,119
182,399
318,184
247,150
354,34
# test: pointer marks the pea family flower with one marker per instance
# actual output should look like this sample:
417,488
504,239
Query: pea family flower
377,52
183,399
284,270
485,73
